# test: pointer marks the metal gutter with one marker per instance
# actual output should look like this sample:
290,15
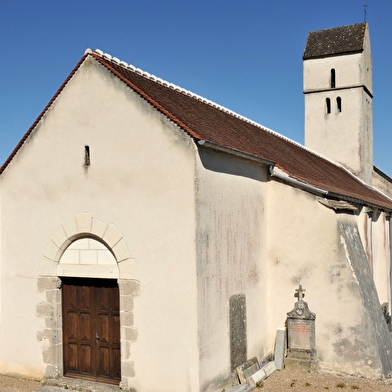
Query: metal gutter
318,191
234,151
273,171
281,175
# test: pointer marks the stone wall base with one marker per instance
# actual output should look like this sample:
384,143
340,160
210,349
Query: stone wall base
302,359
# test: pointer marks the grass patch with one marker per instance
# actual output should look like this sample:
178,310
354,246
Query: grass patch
341,385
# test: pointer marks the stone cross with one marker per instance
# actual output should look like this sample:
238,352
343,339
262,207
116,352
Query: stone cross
300,292
301,337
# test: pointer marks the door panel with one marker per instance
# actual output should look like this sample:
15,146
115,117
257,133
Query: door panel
85,359
72,325
72,357
91,320
85,326
116,363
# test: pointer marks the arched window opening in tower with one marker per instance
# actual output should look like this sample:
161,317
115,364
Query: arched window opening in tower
328,104
333,78
339,104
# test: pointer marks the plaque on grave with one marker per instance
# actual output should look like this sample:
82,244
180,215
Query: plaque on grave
301,339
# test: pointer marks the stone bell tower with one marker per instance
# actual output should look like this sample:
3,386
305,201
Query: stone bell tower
337,76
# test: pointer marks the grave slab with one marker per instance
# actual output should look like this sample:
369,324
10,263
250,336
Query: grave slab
280,348
256,378
247,369
269,368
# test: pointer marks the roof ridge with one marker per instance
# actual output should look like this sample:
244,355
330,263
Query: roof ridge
182,90
339,27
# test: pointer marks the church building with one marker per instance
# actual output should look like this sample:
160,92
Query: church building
154,240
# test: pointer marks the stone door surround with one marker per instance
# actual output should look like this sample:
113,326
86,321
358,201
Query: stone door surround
84,225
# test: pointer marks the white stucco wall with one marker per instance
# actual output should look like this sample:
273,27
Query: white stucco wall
141,179
231,250
317,72
365,227
301,239
346,136
381,256
305,247
374,228
366,64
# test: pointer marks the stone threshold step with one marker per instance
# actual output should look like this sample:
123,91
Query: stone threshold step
79,385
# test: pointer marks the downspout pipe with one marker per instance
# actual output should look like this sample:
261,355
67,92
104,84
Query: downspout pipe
281,175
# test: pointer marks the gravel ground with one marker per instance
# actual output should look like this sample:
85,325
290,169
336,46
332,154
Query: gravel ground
13,384
290,380
285,380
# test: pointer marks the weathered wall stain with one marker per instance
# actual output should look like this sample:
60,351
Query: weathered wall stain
373,341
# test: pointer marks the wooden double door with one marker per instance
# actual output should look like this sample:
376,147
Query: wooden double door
91,329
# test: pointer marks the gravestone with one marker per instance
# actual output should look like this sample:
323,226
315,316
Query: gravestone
247,369
269,368
256,378
280,348
238,338
301,339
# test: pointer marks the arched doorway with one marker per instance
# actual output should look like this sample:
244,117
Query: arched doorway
57,268
90,312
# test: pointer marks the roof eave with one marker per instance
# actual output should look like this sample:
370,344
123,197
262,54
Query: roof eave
229,150
321,56
359,201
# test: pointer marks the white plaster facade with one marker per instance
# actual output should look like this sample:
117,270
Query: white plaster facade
62,201
184,229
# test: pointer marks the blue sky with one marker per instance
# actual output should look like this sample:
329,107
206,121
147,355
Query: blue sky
245,55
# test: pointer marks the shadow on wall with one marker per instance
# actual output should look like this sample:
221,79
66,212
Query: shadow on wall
224,163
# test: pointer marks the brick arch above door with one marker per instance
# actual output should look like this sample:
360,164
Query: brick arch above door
85,225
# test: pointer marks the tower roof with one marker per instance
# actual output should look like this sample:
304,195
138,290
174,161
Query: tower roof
337,40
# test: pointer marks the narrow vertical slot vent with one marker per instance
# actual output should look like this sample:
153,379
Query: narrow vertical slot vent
86,156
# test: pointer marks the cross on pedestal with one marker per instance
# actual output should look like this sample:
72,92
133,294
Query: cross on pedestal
300,292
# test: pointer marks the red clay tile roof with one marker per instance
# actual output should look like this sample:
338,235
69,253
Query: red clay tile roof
203,120
338,40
